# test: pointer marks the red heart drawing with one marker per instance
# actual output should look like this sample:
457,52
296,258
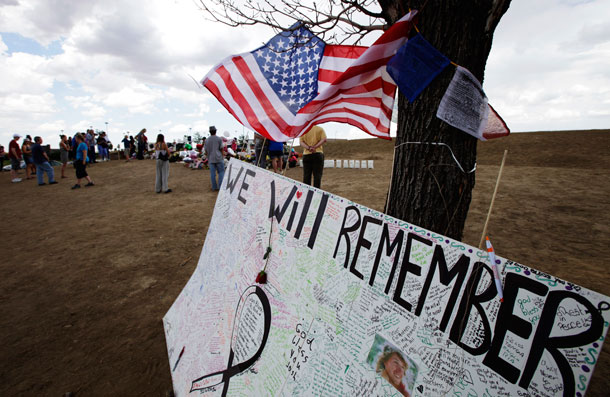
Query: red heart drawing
299,194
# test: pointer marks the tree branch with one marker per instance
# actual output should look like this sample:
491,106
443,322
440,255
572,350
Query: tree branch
347,21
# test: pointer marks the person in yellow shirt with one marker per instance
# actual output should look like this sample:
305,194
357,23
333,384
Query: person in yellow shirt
313,155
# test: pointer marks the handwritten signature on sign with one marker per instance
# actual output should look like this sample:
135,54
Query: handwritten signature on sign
299,354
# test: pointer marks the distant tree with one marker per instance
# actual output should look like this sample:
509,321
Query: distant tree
428,188
197,138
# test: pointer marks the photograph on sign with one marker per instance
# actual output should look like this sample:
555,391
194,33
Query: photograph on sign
392,365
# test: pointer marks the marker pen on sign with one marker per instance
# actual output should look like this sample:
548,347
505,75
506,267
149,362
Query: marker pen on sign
494,267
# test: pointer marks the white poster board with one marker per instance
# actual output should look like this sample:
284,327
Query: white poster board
358,303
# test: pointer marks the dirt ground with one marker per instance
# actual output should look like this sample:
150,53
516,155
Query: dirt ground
87,275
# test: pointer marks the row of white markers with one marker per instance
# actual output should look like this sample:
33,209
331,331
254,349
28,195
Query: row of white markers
345,163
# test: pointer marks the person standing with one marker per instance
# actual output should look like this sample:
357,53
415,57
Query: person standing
14,154
90,140
73,145
132,146
261,146
127,146
213,150
41,161
80,163
162,154
64,153
141,138
26,150
102,146
2,157
276,153
313,155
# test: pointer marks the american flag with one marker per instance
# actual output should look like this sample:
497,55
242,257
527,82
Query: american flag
296,80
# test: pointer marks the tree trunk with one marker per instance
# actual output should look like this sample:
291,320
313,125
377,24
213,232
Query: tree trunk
428,188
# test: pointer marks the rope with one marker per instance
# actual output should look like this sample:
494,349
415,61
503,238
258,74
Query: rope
387,200
441,144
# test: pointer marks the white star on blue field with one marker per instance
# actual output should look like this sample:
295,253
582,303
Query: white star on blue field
289,62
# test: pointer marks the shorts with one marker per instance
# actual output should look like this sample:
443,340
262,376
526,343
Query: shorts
63,157
81,171
15,164
275,154
28,160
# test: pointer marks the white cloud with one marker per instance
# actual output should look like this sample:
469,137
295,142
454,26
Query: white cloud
201,111
193,96
548,65
138,98
20,106
24,73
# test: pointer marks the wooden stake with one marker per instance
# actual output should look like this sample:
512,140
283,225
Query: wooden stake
493,198
186,260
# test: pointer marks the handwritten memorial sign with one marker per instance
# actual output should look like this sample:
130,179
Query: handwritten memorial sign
358,303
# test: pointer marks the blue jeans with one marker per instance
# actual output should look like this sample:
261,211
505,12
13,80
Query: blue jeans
103,152
220,168
46,167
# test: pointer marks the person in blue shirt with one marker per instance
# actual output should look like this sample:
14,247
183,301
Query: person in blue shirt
80,163
276,152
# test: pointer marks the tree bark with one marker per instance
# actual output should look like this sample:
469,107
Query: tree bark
428,188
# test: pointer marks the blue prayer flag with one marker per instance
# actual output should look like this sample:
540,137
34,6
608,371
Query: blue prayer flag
415,65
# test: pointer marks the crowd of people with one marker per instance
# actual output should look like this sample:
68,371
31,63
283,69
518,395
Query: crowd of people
215,150
34,158
211,153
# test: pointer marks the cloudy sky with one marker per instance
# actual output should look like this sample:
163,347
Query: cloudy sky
67,65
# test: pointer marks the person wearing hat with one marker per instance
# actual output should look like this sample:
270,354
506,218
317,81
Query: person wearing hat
213,150
14,154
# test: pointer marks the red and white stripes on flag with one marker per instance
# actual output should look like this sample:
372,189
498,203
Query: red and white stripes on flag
352,84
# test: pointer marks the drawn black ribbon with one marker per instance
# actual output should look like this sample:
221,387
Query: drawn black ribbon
233,370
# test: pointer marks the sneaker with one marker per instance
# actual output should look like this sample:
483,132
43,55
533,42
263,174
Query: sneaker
41,184
90,184
16,180
168,191
53,183
77,186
